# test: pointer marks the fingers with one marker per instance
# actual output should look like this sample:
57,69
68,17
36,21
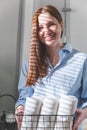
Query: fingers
78,120
19,115
19,108
76,123
78,111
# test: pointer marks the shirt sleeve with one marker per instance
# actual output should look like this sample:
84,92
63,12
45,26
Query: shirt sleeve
24,91
84,86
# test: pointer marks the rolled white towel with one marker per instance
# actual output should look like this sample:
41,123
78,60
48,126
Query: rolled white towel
67,105
49,109
66,110
32,108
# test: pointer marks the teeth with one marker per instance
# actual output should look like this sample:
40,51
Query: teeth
52,34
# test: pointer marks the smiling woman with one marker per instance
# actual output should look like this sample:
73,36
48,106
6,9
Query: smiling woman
54,68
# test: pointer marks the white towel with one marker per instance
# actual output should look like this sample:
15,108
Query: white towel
67,107
32,108
49,108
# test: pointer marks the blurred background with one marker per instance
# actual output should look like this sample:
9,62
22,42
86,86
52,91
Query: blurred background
15,31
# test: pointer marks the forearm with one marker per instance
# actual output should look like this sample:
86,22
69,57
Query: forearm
84,112
24,93
81,114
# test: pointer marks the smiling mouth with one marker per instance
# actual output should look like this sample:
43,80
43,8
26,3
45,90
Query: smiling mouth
50,36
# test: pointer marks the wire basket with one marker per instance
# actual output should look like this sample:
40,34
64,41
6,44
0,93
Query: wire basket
46,122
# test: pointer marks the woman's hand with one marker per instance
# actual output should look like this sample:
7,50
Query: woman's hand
19,115
81,114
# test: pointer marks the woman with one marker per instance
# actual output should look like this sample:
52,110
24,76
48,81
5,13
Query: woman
54,67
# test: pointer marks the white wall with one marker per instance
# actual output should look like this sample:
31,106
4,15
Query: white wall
9,13
78,24
26,29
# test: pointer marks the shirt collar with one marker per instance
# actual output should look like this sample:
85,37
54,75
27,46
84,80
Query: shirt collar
65,50
67,47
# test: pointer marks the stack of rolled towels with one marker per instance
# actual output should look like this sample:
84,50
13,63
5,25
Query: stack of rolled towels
49,113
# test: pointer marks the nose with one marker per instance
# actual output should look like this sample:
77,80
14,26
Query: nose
45,28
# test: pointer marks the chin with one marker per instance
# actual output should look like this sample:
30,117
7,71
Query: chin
49,43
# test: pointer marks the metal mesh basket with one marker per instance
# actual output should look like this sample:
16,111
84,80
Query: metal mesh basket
46,122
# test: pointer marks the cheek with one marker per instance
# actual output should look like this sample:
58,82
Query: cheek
40,34
58,31
54,28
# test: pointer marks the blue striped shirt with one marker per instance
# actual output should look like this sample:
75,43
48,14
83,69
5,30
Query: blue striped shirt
68,77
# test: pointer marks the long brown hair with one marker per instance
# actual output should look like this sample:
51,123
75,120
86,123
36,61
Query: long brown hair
38,67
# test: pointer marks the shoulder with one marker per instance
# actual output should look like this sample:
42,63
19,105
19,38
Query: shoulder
79,53
82,58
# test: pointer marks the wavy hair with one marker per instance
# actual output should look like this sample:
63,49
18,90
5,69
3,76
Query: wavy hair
38,67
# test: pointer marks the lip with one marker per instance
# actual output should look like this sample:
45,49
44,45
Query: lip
49,39
50,36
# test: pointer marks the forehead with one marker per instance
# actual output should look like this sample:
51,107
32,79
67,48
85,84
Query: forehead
45,18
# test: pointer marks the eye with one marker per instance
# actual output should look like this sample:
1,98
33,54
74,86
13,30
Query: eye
51,24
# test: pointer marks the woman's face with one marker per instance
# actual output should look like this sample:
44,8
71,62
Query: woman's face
49,29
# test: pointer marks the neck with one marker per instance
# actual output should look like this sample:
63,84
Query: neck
54,59
53,54
53,51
